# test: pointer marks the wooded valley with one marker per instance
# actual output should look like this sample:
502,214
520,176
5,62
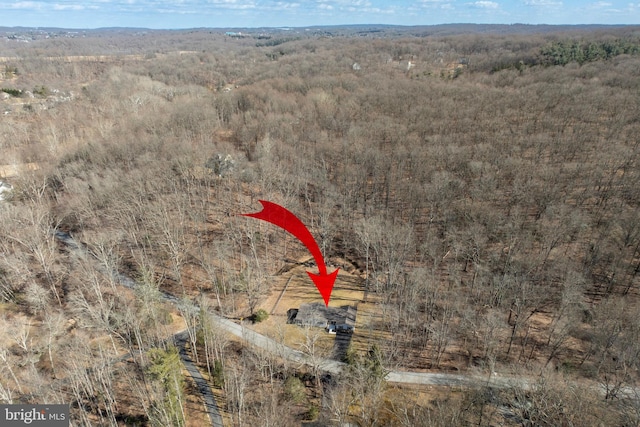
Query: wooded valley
481,188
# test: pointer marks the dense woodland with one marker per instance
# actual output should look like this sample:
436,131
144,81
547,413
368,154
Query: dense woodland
485,187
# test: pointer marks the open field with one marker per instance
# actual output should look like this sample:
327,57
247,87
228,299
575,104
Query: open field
10,171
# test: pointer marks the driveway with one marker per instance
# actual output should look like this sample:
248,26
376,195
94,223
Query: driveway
203,386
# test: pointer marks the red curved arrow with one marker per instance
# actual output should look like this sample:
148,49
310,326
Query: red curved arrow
277,215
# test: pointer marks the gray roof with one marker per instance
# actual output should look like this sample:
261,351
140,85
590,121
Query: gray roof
317,314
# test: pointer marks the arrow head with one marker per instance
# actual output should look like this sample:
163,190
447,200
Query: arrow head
324,283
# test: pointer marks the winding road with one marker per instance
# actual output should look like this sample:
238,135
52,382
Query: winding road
335,367
268,344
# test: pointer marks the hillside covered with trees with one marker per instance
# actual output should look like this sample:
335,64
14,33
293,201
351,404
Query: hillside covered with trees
481,185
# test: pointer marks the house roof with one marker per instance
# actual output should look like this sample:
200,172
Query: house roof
317,314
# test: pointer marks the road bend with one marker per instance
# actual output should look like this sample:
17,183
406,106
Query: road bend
268,344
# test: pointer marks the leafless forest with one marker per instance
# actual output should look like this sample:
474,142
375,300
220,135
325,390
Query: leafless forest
484,186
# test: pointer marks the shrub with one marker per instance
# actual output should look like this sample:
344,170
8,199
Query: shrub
260,316
41,90
217,375
294,389
13,92
313,412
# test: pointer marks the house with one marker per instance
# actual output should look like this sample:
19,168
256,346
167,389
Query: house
333,319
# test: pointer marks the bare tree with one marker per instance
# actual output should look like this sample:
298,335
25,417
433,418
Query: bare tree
210,259
236,385
34,234
390,246
190,314
172,229
314,347
214,340
253,277
366,378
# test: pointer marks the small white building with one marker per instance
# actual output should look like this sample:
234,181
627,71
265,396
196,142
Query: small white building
4,189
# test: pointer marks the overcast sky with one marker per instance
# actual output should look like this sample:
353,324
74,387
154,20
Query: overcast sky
300,13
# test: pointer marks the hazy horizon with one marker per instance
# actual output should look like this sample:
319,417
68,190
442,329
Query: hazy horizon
92,14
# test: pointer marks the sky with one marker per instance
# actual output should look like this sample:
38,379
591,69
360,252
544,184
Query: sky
174,14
